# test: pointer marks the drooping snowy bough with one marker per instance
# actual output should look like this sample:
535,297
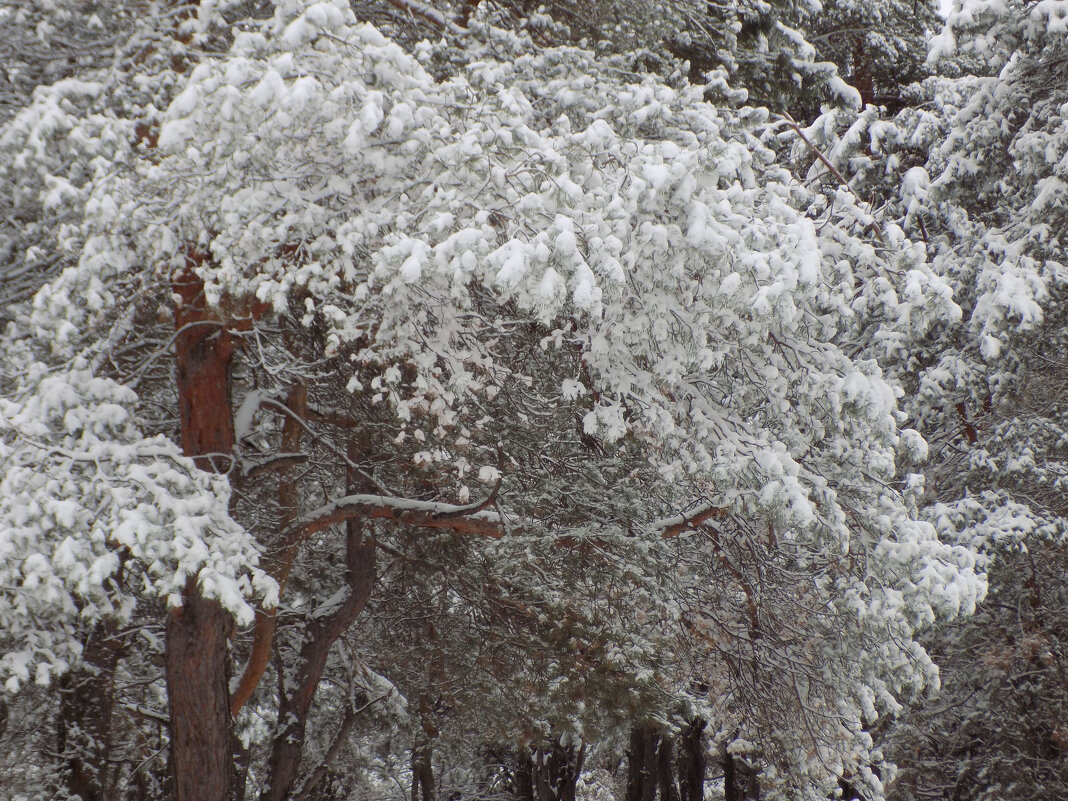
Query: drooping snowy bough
588,288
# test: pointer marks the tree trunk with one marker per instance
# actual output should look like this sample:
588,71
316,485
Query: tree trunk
288,746
730,780
86,706
862,78
197,664
197,694
692,762
665,769
422,772
524,776
641,763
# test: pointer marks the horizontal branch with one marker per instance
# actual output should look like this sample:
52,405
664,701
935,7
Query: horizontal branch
279,461
672,526
473,519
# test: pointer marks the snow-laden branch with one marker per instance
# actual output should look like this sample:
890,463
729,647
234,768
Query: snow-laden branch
672,526
475,519
418,9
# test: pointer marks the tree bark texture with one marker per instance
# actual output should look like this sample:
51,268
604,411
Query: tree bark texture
422,772
279,559
197,695
642,763
197,663
862,77
524,776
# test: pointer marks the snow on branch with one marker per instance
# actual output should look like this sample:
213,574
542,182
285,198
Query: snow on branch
672,526
474,519
418,9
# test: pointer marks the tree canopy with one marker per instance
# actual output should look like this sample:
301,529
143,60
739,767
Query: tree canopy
467,413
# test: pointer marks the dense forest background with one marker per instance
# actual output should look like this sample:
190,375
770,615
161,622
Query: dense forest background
601,400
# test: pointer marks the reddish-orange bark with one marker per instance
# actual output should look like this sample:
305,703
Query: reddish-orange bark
196,659
280,561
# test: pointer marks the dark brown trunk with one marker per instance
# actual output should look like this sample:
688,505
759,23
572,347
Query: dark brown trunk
197,664
467,8
555,771
524,776
321,634
641,763
542,788
279,560
422,772
665,769
862,78
752,785
692,762
569,771
86,707
730,779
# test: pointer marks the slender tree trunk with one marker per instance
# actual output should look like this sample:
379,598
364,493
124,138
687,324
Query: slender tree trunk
641,763
284,763
87,700
197,663
730,779
692,762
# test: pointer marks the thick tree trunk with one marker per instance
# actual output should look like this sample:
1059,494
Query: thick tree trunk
524,776
555,771
692,762
665,769
642,763
87,700
197,663
284,762
198,695
862,78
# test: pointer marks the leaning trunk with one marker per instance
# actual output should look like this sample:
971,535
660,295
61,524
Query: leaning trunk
284,763
196,659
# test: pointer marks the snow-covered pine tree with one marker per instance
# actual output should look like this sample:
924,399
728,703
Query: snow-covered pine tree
975,170
570,313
